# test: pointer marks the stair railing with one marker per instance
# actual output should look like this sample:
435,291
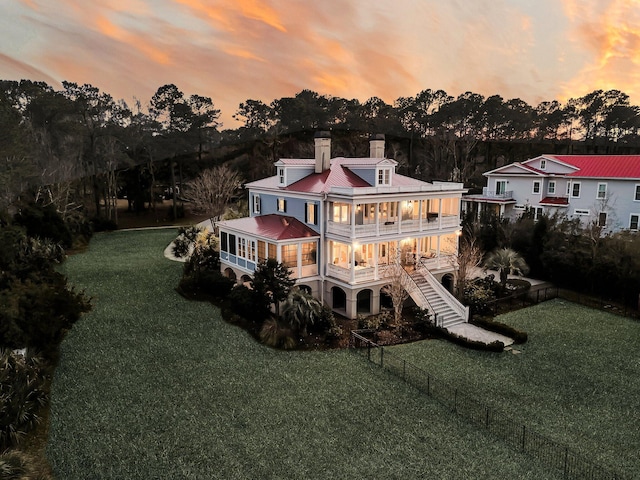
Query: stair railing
445,294
411,283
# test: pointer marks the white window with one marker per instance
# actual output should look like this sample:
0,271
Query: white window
581,211
536,186
575,190
518,206
252,251
568,188
543,164
637,195
552,187
281,175
311,213
602,191
282,205
384,176
256,204
341,213
242,247
633,222
501,187
290,255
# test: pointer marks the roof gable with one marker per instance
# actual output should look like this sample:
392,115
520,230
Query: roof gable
516,168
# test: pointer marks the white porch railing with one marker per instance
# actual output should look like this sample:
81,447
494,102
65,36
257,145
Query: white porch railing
368,273
493,194
405,226
361,274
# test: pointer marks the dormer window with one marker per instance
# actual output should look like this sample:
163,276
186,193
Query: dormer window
384,176
543,164
281,175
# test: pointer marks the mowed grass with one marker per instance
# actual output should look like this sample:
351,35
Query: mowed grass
153,386
577,380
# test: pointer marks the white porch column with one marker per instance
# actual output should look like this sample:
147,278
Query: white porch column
299,260
353,220
352,266
439,215
376,259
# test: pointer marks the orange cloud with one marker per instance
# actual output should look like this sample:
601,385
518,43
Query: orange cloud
609,33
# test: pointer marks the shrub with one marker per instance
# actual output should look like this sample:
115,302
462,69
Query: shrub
17,465
248,303
23,393
204,258
375,322
501,328
214,283
301,311
181,247
275,335
478,293
44,222
37,313
81,229
423,320
189,239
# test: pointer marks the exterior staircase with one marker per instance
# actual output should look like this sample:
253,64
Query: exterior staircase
428,293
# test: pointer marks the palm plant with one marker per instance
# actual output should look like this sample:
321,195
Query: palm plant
301,310
506,261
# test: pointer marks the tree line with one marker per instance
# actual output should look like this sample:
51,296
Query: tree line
79,148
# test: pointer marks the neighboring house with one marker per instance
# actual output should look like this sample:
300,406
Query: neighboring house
337,223
600,189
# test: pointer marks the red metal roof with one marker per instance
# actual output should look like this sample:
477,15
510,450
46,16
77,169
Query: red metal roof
339,175
272,226
336,176
557,201
602,166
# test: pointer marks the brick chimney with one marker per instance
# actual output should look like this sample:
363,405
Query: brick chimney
322,142
376,146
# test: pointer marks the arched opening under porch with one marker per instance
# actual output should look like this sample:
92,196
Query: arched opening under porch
363,301
229,273
339,298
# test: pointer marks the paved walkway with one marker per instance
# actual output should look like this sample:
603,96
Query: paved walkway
478,334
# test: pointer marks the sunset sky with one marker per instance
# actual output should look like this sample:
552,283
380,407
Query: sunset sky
233,50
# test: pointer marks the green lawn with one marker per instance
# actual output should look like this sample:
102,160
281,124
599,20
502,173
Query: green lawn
153,386
577,380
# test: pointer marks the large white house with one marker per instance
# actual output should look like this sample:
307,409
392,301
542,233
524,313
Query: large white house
337,223
604,189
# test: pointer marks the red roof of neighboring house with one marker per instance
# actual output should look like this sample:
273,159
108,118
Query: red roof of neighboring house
557,201
602,166
272,226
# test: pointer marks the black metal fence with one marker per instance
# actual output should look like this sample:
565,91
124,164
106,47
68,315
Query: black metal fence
553,454
535,296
